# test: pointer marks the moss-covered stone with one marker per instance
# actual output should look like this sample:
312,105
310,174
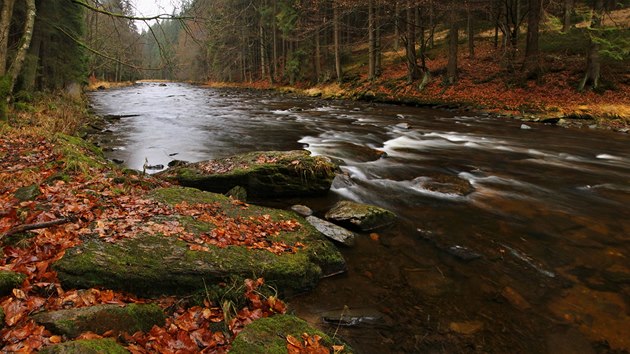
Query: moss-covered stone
153,265
78,154
102,318
91,346
363,217
268,335
28,192
9,281
262,174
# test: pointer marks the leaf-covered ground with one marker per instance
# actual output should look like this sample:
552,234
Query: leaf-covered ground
63,201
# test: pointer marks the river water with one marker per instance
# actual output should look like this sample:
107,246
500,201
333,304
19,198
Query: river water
547,224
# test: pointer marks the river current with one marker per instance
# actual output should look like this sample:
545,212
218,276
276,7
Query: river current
534,260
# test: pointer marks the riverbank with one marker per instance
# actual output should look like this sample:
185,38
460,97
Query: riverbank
484,87
61,202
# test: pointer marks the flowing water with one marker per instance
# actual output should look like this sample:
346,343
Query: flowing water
534,260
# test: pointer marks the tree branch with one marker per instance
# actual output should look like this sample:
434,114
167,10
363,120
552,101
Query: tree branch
134,18
41,225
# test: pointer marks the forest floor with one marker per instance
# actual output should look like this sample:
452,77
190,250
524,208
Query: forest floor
485,84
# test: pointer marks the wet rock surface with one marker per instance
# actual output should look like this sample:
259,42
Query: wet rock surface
332,231
262,174
363,217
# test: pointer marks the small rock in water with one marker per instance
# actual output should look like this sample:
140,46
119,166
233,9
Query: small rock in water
302,210
525,127
364,217
400,116
352,317
403,126
118,161
332,231
154,167
177,163
463,253
514,298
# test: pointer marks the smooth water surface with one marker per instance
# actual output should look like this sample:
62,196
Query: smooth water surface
549,214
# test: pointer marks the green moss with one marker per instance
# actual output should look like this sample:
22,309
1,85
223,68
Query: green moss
92,346
78,154
102,318
268,335
9,281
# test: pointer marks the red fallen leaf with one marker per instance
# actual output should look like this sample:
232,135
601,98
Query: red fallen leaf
55,339
89,335
14,311
293,344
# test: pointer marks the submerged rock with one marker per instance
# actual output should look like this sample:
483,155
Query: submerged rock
352,317
268,335
86,346
448,184
102,318
332,231
153,265
262,174
364,217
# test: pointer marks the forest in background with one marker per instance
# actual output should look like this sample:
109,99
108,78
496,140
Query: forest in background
466,52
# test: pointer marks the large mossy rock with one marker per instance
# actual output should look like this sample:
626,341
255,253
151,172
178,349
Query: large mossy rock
9,281
262,174
86,346
153,265
268,335
363,217
102,318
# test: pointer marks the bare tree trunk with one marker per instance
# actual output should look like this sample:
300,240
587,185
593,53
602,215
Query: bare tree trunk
336,35
25,43
5,23
531,65
470,32
396,26
593,60
431,25
566,16
451,67
412,66
377,45
372,42
318,55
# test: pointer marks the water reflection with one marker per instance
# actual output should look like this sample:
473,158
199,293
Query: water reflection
548,214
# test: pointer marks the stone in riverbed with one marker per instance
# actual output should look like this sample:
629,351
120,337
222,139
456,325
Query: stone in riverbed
262,174
364,217
102,318
332,231
86,346
153,265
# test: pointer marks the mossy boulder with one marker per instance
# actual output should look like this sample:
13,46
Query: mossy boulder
9,281
86,346
262,174
102,318
363,217
154,265
268,335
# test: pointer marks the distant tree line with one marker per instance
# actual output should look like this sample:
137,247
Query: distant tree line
293,40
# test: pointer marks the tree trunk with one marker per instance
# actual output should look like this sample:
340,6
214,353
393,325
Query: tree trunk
396,26
593,61
318,55
412,66
469,30
372,42
25,43
451,67
377,45
531,65
431,25
336,35
566,16
5,25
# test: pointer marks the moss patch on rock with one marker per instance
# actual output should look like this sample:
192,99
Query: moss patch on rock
9,281
268,335
102,318
262,174
363,217
153,265
91,346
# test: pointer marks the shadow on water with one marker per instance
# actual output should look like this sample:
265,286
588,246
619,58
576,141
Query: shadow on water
534,259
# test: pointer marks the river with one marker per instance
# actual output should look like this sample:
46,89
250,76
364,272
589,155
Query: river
534,260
